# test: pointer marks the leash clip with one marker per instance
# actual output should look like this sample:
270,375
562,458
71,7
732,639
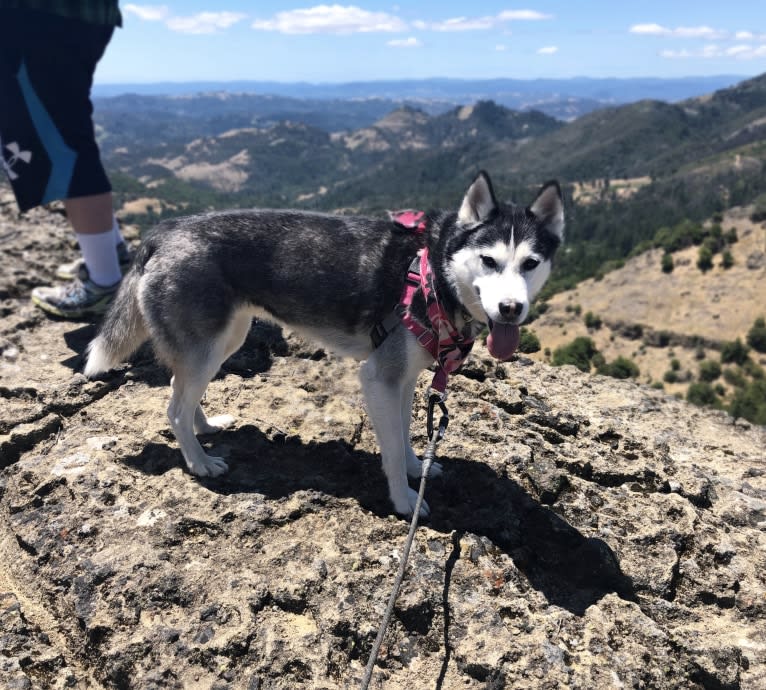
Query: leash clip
435,399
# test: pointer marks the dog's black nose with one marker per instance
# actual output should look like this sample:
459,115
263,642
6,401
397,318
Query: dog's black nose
510,308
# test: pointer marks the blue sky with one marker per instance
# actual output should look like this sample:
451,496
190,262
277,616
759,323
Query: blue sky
305,41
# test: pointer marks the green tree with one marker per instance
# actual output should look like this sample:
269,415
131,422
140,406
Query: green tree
578,353
592,321
750,402
528,342
667,263
620,368
734,352
704,259
702,394
756,336
727,259
709,370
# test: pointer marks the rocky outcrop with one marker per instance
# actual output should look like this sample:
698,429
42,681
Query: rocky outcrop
586,533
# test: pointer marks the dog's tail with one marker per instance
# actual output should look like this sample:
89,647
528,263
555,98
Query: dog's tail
122,331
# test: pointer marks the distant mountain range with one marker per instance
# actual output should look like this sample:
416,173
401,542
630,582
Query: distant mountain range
565,99
645,165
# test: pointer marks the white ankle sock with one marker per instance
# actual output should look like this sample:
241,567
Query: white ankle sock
101,257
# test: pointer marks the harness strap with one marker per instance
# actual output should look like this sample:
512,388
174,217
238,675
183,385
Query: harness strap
439,337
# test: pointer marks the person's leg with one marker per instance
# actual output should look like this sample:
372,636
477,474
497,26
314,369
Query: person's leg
92,219
52,71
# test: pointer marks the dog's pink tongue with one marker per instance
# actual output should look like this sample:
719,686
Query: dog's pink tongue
503,340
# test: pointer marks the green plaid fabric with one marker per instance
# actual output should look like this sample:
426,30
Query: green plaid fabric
95,12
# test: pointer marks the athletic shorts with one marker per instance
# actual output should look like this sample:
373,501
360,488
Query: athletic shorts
47,142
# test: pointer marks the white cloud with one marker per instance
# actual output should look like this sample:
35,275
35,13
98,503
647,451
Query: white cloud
649,30
522,15
548,50
148,13
738,52
698,32
410,42
330,19
500,48
705,32
481,23
200,23
463,24
204,22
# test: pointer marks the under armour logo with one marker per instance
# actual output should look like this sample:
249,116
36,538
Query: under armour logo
16,155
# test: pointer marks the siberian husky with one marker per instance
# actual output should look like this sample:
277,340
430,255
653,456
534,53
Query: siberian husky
197,282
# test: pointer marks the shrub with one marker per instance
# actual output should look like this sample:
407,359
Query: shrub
675,365
702,394
709,370
667,263
756,336
592,321
578,353
704,259
620,368
734,352
528,342
734,378
727,259
731,235
670,376
536,310
753,370
750,402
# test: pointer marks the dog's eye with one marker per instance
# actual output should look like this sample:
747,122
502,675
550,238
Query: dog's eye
530,264
489,262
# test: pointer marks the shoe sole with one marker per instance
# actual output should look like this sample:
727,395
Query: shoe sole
96,309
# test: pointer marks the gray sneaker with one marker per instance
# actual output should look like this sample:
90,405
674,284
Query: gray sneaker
78,299
78,269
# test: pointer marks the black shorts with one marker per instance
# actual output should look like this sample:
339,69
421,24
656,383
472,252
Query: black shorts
47,142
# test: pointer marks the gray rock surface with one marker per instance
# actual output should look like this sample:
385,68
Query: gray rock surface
586,533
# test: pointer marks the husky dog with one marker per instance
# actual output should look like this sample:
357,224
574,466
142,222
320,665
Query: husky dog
197,282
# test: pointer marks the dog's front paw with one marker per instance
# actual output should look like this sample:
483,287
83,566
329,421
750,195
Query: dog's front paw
212,425
406,505
415,467
209,466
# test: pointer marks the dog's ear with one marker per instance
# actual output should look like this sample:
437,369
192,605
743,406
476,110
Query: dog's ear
478,203
548,208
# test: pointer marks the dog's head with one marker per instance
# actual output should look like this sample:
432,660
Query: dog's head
501,256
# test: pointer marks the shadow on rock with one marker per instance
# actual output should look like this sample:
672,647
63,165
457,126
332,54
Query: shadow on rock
264,341
572,571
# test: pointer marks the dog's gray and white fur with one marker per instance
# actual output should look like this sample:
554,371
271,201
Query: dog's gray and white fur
197,282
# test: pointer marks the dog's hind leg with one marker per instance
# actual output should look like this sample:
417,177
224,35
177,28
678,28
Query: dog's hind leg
234,337
193,369
189,384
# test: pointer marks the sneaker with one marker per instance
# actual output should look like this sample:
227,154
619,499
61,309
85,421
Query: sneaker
78,269
78,299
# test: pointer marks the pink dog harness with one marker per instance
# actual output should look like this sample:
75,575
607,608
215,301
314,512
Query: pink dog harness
439,336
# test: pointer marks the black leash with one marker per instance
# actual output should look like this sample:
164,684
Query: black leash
433,400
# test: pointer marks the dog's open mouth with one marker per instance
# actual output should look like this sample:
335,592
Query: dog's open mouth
503,340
